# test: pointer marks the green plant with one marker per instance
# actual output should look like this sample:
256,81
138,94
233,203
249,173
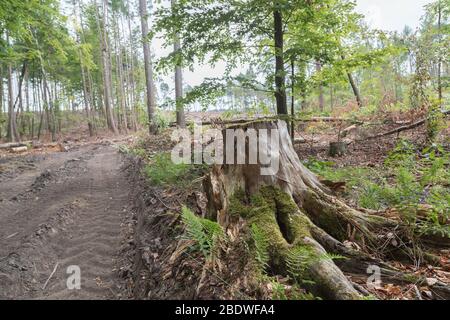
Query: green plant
402,155
162,171
261,246
161,120
207,234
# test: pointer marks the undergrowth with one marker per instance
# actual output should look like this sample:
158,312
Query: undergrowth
409,180
161,170
206,234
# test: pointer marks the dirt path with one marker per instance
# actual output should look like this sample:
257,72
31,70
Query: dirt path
62,209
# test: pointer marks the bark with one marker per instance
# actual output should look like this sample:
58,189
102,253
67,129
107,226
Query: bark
439,58
106,64
181,120
321,97
119,71
1,101
292,99
355,88
86,95
151,101
12,134
280,81
133,94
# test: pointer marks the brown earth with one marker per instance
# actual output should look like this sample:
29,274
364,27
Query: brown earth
62,209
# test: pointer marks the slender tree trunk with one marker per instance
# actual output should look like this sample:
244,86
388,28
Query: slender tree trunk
1,100
355,89
280,78
321,98
120,82
151,103
133,96
181,121
86,98
439,57
107,88
12,135
292,99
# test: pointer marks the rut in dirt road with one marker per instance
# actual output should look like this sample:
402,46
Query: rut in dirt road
64,210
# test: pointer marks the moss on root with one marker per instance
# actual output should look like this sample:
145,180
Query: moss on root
275,213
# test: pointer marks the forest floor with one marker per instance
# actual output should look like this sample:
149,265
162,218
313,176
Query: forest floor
61,209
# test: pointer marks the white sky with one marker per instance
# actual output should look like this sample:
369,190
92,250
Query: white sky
389,15
392,15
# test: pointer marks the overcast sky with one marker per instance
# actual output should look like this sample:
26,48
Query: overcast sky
392,15
389,15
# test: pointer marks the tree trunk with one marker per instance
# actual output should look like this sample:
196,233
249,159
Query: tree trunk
355,89
439,71
280,77
151,103
1,101
133,96
181,121
321,98
106,64
292,99
12,134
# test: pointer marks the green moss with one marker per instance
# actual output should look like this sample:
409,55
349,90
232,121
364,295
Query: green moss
277,217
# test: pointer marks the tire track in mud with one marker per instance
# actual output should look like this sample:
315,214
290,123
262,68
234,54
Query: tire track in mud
68,216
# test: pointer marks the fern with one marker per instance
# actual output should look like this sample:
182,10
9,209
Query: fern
207,234
261,246
298,260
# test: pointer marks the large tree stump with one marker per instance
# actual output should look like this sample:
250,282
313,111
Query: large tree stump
297,214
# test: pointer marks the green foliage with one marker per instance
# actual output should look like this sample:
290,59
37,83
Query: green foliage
162,171
207,234
280,292
402,155
300,258
162,120
435,121
261,244
408,180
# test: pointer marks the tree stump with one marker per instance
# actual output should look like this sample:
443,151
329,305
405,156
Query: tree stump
337,148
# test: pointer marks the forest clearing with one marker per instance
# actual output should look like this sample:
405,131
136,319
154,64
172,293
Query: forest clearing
223,150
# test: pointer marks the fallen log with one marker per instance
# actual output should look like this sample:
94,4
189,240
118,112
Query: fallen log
19,149
219,121
399,129
10,145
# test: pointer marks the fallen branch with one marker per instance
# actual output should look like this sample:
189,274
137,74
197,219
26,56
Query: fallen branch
51,275
399,129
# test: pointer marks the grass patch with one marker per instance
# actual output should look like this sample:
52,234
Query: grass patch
162,171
